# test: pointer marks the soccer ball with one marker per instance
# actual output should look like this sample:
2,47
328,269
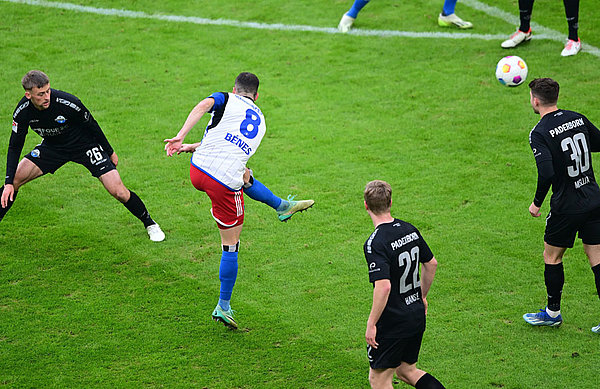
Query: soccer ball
511,71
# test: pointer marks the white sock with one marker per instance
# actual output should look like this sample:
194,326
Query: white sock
552,314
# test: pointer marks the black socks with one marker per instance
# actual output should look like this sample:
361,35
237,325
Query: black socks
554,276
138,209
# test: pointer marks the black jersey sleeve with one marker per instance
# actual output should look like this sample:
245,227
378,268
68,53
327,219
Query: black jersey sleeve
426,254
379,267
20,127
544,181
543,160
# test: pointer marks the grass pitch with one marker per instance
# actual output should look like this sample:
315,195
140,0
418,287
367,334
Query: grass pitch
86,300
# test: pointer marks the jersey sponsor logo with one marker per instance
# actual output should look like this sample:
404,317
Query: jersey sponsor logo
15,126
60,119
373,268
566,127
536,153
68,104
44,132
234,139
20,108
86,116
404,240
35,153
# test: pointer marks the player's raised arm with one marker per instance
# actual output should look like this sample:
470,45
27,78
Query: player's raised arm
174,145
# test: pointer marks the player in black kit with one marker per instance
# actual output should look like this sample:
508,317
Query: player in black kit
396,323
70,133
562,143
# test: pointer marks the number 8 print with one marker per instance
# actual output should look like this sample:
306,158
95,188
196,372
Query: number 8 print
253,120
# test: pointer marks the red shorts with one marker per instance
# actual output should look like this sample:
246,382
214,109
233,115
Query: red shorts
227,205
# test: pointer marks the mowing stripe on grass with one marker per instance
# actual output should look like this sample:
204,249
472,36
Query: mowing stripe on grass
493,11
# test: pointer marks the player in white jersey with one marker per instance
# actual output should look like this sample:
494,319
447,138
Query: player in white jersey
218,167
230,139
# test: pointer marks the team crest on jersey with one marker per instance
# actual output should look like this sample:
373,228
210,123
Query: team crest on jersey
60,119
35,153
15,126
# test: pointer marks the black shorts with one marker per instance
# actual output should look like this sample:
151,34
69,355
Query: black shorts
392,352
92,156
561,229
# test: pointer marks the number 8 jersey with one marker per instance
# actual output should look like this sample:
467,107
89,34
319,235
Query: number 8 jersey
232,136
562,143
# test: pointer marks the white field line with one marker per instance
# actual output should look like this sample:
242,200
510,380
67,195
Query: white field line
492,11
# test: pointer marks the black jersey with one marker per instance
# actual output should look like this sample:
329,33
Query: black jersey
567,139
394,251
65,125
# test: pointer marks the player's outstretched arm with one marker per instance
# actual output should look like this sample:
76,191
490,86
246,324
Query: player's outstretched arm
188,147
174,145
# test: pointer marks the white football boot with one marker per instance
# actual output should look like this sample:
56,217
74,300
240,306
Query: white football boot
155,233
571,48
516,39
346,23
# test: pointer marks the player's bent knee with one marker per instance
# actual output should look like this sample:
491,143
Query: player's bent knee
122,194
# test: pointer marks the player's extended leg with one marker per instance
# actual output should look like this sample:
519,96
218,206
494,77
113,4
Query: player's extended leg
554,278
114,185
285,208
593,253
573,45
381,378
349,17
230,239
416,377
26,171
523,33
448,18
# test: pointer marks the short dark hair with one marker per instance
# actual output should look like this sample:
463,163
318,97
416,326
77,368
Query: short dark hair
378,196
246,83
34,78
545,89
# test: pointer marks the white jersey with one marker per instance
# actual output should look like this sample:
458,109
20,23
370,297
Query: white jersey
232,136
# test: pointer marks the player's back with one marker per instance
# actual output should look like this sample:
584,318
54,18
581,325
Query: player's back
232,136
394,251
568,138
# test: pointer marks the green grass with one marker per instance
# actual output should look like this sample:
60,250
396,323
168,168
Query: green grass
87,301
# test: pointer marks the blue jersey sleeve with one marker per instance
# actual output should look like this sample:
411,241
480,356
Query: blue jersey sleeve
220,100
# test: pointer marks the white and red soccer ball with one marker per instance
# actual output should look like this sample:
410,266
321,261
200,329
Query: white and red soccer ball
511,71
